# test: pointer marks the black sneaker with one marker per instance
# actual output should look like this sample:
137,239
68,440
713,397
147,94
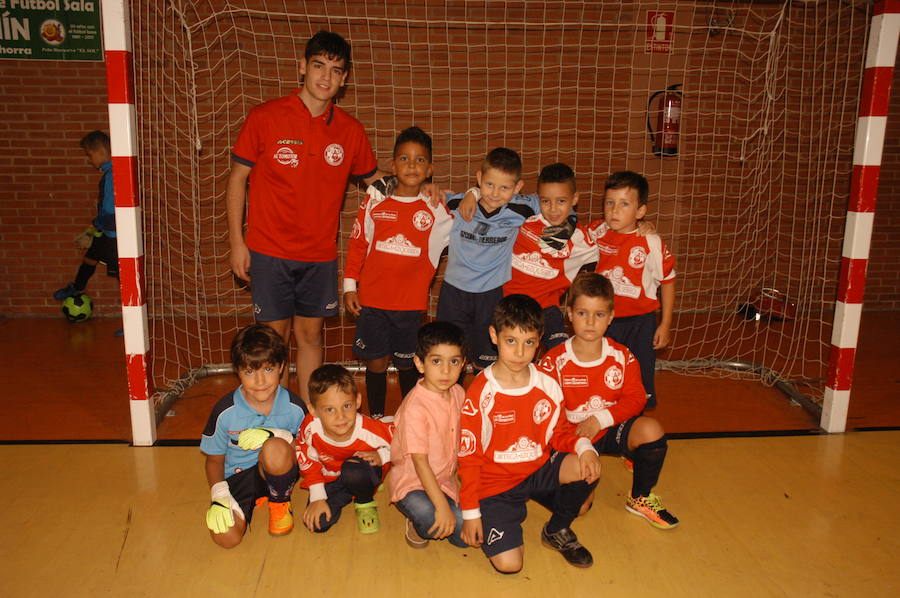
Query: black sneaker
65,292
566,543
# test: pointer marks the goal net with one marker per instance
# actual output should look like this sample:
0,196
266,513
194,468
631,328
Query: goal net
754,199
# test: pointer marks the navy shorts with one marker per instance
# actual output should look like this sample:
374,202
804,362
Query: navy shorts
381,332
246,487
636,333
103,249
502,514
555,332
473,313
283,289
615,441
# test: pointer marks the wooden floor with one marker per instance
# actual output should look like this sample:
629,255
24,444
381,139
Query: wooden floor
787,516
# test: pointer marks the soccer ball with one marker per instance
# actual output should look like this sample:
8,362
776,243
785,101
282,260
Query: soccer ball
77,308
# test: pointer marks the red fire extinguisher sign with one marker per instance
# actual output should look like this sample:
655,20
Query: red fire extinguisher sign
660,31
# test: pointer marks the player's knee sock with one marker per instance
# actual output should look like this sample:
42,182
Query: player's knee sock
408,379
360,478
568,502
376,390
280,485
85,271
648,462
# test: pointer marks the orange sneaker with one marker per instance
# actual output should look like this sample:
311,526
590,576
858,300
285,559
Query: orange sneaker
650,508
281,518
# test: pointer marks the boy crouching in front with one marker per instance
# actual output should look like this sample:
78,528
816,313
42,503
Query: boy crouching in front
343,455
508,443
247,440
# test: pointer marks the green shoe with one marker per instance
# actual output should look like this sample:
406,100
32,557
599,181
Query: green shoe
367,517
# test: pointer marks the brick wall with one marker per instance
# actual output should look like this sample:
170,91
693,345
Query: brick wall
48,190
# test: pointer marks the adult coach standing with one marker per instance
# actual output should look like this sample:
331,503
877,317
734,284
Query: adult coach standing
298,153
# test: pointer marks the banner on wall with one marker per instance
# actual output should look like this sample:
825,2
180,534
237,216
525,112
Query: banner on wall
50,30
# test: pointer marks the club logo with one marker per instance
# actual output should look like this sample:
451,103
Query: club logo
637,257
468,408
287,157
422,220
541,411
466,443
334,154
357,230
613,377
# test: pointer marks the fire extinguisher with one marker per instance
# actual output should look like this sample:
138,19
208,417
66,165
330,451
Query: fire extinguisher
665,137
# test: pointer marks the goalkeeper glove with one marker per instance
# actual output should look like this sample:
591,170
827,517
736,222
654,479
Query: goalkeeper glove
253,438
84,240
219,516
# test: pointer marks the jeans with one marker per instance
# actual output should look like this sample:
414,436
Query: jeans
419,509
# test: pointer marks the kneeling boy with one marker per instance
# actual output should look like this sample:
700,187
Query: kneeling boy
508,427
247,440
343,454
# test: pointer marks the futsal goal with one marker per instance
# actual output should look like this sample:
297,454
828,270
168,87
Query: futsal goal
753,198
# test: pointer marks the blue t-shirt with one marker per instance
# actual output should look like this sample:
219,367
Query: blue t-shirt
106,203
480,255
232,415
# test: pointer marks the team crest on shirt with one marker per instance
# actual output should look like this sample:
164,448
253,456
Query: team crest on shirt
613,377
287,157
466,443
637,257
541,411
334,154
422,220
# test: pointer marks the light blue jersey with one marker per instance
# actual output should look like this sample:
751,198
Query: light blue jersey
480,256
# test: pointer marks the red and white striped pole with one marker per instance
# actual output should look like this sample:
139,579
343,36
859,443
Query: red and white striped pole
123,138
870,130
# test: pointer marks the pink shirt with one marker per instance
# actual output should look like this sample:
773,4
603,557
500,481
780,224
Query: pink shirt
426,423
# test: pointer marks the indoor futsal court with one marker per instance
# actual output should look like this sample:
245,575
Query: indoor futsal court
768,132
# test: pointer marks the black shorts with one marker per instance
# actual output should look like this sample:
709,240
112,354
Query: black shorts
381,332
246,486
502,514
473,312
103,249
615,441
339,495
636,333
283,289
555,332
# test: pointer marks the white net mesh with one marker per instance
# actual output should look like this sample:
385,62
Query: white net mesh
755,197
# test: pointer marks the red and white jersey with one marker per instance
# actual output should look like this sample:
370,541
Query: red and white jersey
608,388
635,266
320,458
506,435
300,166
394,250
541,271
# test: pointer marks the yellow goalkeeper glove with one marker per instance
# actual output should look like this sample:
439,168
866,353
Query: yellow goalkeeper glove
220,515
252,439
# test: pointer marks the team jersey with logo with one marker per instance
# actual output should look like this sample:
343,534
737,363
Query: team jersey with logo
507,434
394,250
635,266
608,389
300,167
232,414
320,458
481,249
542,271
